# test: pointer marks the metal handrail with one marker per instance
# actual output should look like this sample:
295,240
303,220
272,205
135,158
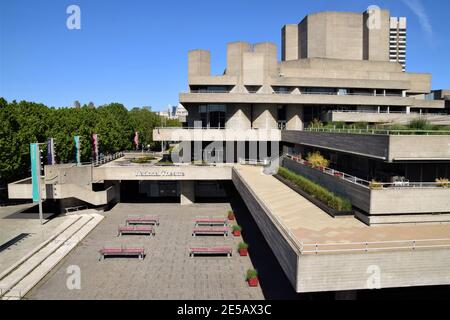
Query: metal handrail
388,112
406,184
379,131
371,245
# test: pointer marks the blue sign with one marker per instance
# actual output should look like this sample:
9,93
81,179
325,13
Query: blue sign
35,174
50,151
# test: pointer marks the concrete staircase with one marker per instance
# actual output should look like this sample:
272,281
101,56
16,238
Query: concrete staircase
20,278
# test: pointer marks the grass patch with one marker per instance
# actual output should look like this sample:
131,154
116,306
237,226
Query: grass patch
317,191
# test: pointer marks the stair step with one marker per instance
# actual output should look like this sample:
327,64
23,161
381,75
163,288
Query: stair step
33,278
36,259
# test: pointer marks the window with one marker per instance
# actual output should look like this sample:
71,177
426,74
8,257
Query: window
213,115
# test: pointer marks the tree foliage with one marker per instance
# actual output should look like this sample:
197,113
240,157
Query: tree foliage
27,122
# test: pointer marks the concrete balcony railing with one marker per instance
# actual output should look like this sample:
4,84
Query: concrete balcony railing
380,198
215,134
23,190
384,117
387,145
295,98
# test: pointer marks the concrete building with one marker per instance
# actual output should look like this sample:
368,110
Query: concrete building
397,41
334,66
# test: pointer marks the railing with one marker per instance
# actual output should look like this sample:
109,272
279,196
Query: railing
263,162
379,131
209,91
107,158
212,128
366,94
374,185
375,246
389,112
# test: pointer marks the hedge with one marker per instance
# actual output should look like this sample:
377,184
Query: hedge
317,191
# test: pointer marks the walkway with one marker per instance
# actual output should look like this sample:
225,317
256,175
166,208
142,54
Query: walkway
308,224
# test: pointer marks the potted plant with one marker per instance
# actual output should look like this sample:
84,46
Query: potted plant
230,215
316,160
375,185
243,249
236,230
252,277
443,182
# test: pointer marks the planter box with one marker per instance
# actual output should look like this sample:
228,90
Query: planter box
253,282
332,212
243,252
237,233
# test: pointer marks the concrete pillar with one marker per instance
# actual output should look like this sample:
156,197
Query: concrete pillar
265,117
238,117
199,63
294,117
187,192
289,42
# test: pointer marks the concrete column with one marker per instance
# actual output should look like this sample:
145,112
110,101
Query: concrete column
294,117
187,192
265,117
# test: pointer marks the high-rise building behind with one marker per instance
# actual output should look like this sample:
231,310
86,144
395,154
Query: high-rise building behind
372,35
397,41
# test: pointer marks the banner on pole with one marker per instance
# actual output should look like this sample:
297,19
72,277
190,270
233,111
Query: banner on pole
77,150
35,174
136,139
50,151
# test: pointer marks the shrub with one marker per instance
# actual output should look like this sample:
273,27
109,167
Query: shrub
317,160
317,191
360,125
443,182
375,185
236,227
251,273
242,245
419,124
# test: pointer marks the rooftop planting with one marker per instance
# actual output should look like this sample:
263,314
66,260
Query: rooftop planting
317,191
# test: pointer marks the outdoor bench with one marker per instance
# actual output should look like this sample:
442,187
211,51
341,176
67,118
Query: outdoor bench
210,251
122,252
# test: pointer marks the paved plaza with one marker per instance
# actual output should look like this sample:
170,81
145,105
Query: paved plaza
167,272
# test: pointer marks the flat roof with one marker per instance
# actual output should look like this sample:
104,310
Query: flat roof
308,225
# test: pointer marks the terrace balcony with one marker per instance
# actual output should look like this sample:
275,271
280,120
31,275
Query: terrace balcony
408,200
386,145
282,97
353,116
215,134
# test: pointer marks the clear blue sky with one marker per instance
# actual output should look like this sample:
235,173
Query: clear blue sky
135,52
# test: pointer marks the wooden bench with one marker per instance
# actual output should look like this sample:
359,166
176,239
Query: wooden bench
135,230
210,231
210,251
211,222
122,252
153,220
